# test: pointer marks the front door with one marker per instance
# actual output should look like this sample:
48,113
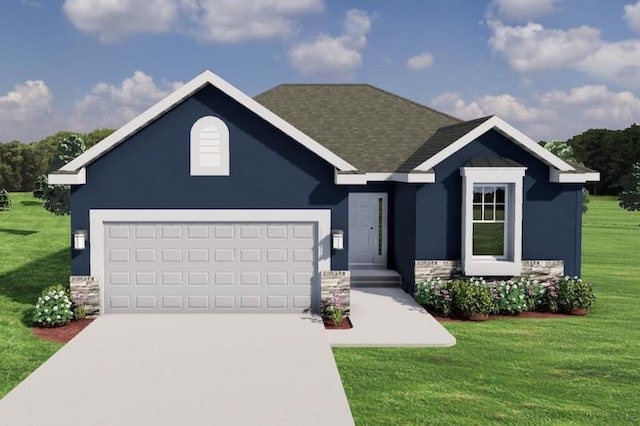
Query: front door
367,237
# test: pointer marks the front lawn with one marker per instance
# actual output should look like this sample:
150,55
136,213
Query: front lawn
570,371
577,370
34,252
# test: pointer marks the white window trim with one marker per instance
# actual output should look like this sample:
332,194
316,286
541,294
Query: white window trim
506,222
195,168
98,218
487,265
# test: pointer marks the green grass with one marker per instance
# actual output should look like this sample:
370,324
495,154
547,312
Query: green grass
570,371
34,252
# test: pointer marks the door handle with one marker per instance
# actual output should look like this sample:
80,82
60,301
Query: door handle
371,228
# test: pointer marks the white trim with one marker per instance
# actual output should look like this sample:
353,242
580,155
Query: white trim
512,177
364,178
195,147
557,177
78,178
507,130
207,77
98,217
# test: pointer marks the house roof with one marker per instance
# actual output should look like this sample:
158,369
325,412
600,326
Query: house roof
492,162
354,127
372,129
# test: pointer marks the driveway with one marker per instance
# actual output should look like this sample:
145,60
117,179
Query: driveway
172,369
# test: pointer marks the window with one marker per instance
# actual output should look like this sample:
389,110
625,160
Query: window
489,220
492,220
209,147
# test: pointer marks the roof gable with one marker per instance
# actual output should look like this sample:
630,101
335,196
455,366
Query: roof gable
454,138
205,78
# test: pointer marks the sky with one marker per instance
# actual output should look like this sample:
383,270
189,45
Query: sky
551,68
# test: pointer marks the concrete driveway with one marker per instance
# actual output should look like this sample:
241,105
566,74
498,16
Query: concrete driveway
173,369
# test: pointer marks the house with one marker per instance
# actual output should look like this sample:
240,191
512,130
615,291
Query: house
215,201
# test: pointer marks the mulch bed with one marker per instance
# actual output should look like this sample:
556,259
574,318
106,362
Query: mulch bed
62,334
522,315
344,325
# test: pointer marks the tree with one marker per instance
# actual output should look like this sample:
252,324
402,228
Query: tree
565,151
5,200
40,186
56,198
630,198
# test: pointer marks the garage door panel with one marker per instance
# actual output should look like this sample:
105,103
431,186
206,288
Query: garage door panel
209,267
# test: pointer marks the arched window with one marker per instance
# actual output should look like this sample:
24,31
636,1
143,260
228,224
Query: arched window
209,147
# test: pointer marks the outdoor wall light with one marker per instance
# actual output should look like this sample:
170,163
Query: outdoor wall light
80,239
338,239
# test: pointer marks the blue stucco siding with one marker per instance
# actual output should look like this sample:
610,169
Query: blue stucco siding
551,212
402,257
268,170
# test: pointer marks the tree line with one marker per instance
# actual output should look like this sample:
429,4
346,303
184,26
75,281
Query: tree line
22,163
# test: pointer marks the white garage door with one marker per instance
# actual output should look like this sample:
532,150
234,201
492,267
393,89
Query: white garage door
209,267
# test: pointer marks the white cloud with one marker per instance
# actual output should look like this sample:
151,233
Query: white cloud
420,62
233,20
503,105
209,20
552,115
115,19
522,10
632,16
328,55
23,110
113,105
535,48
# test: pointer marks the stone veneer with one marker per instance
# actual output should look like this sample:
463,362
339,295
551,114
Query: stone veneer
86,289
335,282
539,269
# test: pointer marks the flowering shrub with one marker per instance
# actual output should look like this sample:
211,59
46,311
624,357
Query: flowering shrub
475,295
79,309
534,292
53,308
509,297
435,294
549,300
334,309
574,294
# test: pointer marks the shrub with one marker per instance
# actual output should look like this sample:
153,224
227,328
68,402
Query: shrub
334,309
533,292
471,297
573,293
509,297
5,200
53,308
39,187
78,307
549,300
435,294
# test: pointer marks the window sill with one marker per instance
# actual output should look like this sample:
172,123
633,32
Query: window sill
492,268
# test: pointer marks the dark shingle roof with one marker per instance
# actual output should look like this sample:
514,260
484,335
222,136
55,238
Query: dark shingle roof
372,129
492,162
441,139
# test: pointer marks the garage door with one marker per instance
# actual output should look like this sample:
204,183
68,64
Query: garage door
209,267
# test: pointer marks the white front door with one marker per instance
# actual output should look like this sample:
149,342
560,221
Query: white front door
367,237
